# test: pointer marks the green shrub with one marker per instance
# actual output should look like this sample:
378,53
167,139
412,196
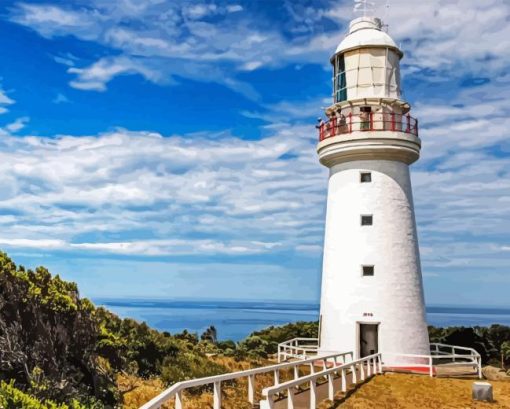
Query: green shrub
189,366
13,398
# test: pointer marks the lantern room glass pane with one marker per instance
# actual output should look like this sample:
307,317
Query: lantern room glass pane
340,83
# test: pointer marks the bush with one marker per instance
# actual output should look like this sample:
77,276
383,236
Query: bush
188,366
13,398
275,335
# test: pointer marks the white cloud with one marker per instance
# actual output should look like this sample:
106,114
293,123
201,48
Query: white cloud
176,38
100,73
197,11
178,247
147,247
60,99
51,20
234,8
46,244
5,101
167,188
17,125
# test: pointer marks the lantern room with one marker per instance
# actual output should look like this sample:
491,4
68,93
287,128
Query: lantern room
366,64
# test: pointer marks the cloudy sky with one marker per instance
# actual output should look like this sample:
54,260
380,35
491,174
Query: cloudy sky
165,148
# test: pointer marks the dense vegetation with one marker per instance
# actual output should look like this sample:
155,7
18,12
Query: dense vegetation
59,351
492,343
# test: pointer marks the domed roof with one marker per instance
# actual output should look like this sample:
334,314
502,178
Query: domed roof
366,31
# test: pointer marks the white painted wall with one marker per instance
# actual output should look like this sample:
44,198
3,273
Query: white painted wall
394,295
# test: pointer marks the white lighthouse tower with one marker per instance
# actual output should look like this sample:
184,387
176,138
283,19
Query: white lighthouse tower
372,292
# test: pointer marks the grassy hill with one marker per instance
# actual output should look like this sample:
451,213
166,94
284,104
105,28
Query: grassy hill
59,351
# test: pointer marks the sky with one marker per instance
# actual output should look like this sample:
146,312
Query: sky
166,148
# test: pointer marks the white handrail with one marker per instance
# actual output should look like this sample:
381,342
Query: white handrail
457,359
298,347
374,367
453,348
176,389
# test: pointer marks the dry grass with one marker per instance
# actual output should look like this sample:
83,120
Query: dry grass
400,391
137,391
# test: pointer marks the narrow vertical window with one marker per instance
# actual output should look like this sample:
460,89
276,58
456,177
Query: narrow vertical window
368,271
366,177
367,220
340,84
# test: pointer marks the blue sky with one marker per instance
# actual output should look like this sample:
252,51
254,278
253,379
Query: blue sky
165,148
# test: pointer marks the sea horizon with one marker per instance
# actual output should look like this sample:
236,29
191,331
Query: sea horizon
236,319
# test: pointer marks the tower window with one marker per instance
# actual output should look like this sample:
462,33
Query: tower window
366,177
368,271
367,220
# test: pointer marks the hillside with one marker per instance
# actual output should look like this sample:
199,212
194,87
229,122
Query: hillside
59,351
58,347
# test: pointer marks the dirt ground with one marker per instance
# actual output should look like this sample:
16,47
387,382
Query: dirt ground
399,391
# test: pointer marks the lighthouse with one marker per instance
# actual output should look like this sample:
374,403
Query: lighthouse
372,292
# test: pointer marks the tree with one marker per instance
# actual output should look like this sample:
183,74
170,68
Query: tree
210,335
505,353
48,336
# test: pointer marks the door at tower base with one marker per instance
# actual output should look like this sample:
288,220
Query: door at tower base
368,339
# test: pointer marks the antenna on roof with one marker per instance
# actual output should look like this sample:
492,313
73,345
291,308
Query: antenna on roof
364,7
386,9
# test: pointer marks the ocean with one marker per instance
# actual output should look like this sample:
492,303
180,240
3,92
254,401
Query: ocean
237,319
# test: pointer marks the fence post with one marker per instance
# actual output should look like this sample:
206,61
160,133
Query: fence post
290,398
313,394
217,395
276,376
479,367
344,381
431,371
453,353
362,371
178,400
380,363
251,389
267,403
374,362
369,372
354,374
331,387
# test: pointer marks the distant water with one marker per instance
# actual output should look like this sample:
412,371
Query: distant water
235,320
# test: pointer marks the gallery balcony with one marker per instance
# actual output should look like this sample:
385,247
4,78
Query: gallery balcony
368,136
367,122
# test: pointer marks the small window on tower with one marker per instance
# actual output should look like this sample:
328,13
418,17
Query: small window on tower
366,177
366,220
368,271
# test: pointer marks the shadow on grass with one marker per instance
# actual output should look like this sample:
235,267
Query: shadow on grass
342,397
